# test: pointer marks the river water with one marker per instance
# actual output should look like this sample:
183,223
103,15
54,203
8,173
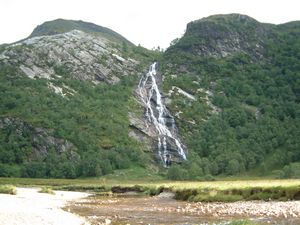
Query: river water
137,209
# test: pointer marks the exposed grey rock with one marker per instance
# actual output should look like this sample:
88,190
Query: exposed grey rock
207,98
142,132
219,36
78,54
28,71
182,92
142,125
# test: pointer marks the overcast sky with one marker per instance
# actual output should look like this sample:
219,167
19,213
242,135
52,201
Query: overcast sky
149,23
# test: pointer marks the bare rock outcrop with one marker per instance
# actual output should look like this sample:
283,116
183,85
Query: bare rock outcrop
76,54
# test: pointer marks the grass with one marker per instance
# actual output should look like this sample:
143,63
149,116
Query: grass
242,222
8,189
47,190
208,191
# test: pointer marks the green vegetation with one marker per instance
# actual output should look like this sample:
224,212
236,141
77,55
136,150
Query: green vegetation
237,194
8,189
94,119
223,191
256,131
244,122
84,133
242,222
47,190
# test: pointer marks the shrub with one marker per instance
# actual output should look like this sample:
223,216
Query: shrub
7,170
176,173
47,190
209,177
8,189
277,174
292,170
34,169
242,222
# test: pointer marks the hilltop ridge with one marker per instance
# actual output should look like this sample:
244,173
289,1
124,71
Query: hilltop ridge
60,26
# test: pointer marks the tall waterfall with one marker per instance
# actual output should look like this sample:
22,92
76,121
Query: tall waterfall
158,115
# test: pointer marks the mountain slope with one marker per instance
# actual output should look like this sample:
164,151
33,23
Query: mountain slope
70,103
64,105
243,79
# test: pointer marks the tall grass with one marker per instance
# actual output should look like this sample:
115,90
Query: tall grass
225,191
8,189
47,190
242,222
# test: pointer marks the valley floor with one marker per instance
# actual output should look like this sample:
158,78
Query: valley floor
163,210
34,208
279,202
29,207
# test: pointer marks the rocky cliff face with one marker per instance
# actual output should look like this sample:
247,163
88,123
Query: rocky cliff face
76,54
221,36
157,121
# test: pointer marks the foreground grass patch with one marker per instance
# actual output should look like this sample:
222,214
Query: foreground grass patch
266,193
47,190
242,222
8,189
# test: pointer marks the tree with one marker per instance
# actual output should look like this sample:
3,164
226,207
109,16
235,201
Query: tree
68,170
175,172
174,42
194,171
35,169
233,167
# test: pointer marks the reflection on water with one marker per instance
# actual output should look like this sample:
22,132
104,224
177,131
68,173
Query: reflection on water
137,209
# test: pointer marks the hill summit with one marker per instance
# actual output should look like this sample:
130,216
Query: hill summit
223,35
60,26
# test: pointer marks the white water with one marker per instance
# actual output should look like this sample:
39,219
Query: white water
156,114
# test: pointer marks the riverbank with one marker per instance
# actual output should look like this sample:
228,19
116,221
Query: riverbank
29,207
163,209
34,208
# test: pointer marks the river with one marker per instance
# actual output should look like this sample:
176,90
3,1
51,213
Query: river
163,209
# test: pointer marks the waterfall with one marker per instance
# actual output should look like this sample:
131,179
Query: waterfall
157,114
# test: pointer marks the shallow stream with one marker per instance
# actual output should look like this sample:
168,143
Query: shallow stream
137,209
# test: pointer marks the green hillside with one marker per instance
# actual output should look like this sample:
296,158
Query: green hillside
69,105
245,77
63,117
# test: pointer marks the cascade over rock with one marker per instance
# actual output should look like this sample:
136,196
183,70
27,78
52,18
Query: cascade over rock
157,115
